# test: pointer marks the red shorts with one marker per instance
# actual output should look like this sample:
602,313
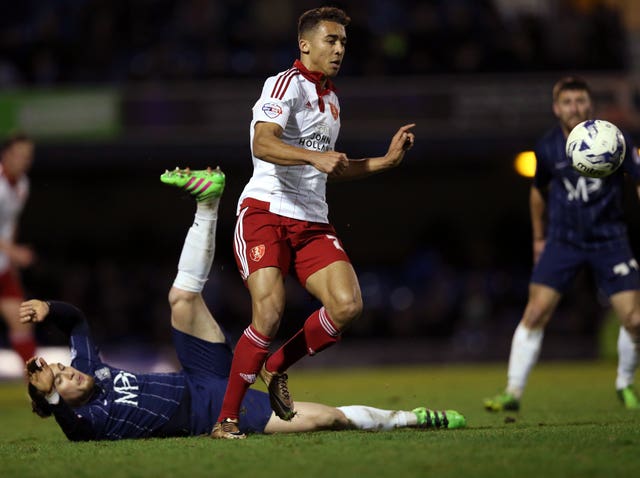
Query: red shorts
10,284
264,239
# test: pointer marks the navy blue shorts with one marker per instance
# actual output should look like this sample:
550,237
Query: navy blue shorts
207,367
615,270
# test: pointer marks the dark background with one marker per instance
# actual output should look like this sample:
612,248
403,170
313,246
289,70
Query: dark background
441,244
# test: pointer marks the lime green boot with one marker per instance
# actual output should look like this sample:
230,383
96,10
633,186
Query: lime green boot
202,185
629,398
502,402
439,419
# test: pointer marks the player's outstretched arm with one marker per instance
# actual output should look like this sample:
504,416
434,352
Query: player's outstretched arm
401,142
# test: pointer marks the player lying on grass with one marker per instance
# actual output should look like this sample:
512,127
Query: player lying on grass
91,400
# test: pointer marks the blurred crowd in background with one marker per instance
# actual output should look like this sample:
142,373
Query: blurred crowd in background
444,287
53,42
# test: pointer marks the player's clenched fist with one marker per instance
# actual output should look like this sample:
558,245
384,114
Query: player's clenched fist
331,162
33,310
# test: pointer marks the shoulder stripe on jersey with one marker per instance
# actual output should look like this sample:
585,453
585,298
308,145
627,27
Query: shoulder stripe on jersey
280,88
281,78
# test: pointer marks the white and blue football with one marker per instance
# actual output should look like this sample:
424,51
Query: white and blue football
596,148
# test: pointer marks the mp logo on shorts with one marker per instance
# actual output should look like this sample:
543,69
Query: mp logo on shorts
257,253
125,384
272,110
623,269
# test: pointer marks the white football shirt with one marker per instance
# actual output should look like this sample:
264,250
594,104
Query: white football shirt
12,201
298,192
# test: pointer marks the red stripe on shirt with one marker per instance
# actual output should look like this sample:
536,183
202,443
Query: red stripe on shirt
280,79
283,83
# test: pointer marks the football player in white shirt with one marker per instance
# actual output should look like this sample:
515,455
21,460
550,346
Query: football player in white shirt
282,215
16,158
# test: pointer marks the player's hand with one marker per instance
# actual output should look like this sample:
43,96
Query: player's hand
21,256
332,163
401,142
33,310
39,374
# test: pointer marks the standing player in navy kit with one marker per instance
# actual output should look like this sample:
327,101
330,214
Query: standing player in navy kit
92,400
576,221
283,215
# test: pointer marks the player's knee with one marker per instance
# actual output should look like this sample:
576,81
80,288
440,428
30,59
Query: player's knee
330,419
535,316
345,311
632,322
178,297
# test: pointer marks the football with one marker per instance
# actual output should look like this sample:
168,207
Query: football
596,148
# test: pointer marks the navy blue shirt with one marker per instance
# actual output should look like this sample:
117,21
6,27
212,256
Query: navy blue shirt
584,212
124,404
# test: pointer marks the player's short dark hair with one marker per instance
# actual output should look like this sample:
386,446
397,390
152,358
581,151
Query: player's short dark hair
569,83
39,404
311,18
14,138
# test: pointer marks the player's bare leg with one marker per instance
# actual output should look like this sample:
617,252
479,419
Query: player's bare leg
316,416
21,336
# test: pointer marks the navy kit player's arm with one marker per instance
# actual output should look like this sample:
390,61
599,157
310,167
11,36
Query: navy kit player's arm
538,202
85,355
72,323
631,163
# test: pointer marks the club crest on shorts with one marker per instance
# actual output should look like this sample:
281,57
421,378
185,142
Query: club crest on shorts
257,253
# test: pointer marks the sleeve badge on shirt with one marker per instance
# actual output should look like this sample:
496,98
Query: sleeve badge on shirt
103,373
335,112
257,253
272,110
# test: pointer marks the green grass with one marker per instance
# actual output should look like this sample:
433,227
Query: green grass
571,425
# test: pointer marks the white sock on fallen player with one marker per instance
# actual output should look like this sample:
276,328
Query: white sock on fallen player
525,349
627,359
199,248
369,418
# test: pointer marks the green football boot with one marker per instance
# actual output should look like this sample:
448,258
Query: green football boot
202,185
439,418
502,402
629,398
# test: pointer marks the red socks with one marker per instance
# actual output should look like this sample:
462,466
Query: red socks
318,333
251,351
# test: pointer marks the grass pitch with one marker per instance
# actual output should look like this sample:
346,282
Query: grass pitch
571,425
